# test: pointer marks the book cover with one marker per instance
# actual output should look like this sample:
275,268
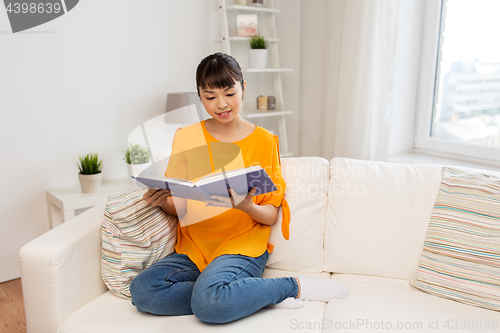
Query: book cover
241,181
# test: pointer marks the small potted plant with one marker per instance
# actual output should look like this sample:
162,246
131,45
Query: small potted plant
90,176
257,55
137,158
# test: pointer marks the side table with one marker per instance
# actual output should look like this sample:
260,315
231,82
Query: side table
63,202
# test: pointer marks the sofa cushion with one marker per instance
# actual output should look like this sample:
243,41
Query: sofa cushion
306,192
378,304
109,314
461,255
135,235
377,216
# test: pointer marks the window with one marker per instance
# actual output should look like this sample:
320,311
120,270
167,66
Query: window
459,86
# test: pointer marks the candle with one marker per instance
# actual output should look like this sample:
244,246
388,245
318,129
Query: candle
262,103
271,103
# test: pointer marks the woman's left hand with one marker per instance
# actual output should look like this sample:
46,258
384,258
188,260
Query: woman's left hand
239,201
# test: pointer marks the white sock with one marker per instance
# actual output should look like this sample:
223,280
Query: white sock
288,303
320,289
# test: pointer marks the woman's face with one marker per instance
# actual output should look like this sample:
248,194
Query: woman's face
223,104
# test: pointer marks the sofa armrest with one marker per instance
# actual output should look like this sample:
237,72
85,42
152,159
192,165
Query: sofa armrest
61,270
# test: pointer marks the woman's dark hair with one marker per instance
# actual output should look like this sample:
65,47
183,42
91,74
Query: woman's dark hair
218,71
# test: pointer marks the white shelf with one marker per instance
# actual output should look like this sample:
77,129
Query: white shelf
246,39
253,9
260,114
265,70
275,69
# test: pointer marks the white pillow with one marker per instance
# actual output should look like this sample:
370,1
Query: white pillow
377,216
306,193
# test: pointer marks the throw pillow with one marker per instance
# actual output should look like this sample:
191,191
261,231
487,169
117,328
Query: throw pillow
135,235
461,254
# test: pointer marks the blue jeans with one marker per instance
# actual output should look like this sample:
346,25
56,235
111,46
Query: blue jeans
228,289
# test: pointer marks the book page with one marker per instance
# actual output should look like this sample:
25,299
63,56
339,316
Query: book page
220,175
164,179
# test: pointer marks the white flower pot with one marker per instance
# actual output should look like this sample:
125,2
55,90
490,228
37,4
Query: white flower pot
135,170
90,183
257,58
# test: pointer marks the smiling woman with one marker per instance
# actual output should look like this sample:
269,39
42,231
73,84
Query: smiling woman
223,243
222,104
222,87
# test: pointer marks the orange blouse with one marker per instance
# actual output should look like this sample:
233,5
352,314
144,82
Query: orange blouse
205,233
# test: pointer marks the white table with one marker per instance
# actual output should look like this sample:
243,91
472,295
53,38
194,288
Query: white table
63,202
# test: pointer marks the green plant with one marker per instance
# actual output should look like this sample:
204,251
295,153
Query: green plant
258,42
136,154
90,164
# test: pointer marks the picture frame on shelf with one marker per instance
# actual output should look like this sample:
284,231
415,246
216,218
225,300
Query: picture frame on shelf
246,25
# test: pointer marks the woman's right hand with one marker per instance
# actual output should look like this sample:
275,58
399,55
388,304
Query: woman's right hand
155,197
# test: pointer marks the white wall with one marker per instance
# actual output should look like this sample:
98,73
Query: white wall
289,26
84,81
312,75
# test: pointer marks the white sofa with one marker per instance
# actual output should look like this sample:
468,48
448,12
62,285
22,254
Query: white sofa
361,223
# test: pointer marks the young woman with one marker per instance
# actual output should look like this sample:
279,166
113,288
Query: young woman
222,244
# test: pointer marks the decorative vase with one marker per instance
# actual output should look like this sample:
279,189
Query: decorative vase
135,170
271,103
262,103
257,58
90,183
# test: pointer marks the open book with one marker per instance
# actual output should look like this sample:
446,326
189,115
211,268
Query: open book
241,181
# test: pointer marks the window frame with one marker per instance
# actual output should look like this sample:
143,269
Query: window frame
424,143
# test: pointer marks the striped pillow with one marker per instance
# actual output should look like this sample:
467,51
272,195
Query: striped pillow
135,235
461,255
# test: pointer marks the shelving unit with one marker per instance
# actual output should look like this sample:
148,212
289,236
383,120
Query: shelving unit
276,70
